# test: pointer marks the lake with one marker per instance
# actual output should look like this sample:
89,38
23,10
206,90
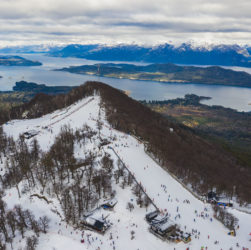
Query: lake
233,97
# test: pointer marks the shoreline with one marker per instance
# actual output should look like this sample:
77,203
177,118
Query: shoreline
151,80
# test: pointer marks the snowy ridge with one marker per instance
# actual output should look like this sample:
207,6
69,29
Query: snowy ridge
168,195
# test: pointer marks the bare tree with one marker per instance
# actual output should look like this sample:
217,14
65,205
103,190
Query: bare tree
130,206
44,223
31,243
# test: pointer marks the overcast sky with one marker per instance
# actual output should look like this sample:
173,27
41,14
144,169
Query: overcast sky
124,21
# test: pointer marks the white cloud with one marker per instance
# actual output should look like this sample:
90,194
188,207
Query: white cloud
112,21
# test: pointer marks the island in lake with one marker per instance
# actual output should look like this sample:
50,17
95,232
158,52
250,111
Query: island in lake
17,61
35,88
166,73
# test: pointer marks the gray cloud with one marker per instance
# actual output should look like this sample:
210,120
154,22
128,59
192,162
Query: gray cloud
115,21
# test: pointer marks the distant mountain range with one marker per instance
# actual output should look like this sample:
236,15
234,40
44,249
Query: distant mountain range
166,73
186,53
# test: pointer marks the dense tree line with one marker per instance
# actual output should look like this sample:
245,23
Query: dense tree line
4,115
189,99
43,104
186,155
227,127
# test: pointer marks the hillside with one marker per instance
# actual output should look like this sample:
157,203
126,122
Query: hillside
223,126
184,153
79,158
17,61
166,73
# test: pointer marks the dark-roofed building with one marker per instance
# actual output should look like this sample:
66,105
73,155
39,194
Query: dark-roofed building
109,204
95,224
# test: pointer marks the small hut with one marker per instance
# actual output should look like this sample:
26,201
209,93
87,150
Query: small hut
109,204
164,230
95,224
29,134
150,216
212,196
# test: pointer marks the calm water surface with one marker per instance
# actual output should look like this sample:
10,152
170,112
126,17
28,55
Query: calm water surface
232,97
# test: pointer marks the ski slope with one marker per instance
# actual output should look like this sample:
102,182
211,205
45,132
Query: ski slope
168,194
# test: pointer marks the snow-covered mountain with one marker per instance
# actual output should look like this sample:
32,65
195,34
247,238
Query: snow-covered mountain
100,150
185,53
